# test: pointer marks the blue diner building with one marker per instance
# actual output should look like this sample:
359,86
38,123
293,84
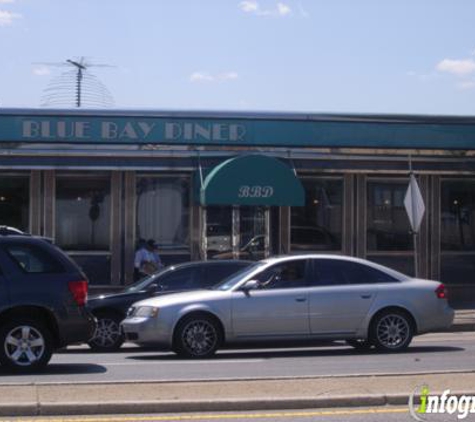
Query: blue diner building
210,185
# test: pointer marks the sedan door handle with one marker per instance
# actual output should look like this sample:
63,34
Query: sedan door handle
301,299
368,296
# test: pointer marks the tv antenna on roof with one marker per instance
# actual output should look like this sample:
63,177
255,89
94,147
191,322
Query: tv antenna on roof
88,89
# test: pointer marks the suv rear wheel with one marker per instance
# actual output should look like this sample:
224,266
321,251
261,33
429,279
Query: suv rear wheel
25,345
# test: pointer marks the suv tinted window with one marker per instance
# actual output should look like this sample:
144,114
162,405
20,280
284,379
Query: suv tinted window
339,272
183,278
284,276
213,274
32,259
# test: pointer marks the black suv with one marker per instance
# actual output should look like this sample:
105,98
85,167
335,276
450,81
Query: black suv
111,309
42,302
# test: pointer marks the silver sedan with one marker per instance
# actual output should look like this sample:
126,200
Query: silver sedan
295,298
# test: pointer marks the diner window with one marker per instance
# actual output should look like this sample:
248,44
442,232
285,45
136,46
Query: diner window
83,213
457,233
14,202
458,216
388,227
163,211
317,226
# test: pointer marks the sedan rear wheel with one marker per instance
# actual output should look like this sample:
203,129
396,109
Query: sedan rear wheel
197,337
25,345
392,331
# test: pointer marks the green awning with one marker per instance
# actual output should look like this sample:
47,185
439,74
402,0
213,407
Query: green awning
252,180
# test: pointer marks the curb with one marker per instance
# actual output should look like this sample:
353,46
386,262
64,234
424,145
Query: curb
234,379
137,407
461,327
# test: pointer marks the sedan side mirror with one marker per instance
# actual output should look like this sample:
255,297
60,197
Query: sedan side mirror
250,285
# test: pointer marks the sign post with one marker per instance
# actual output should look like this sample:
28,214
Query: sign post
415,209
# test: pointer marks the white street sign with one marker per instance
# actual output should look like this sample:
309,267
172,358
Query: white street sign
414,204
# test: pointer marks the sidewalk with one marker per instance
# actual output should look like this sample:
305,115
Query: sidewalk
207,396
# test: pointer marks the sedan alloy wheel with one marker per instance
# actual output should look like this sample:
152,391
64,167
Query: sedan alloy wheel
198,338
392,331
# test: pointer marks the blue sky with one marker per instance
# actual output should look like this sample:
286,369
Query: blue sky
366,56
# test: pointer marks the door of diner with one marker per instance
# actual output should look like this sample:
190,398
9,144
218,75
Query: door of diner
237,232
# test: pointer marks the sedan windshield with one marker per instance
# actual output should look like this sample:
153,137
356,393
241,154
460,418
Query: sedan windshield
229,282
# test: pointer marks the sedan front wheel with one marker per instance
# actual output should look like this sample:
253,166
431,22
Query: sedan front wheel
197,337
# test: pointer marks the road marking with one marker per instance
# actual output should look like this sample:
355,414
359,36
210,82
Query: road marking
221,416
194,362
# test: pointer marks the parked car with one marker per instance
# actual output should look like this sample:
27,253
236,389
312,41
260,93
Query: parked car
42,302
295,298
111,309
218,238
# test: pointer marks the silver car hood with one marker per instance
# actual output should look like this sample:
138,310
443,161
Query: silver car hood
182,298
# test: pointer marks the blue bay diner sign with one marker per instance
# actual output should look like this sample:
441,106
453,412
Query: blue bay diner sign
236,129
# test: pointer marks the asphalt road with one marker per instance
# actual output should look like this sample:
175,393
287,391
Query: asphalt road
388,414
429,353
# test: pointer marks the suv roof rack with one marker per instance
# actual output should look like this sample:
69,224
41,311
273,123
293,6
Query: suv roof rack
12,231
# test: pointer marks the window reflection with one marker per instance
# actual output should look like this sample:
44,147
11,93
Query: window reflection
387,222
252,239
251,236
83,213
318,225
458,216
163,211
14,202
219,230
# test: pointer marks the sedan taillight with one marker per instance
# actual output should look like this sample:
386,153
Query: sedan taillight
79,291
441,292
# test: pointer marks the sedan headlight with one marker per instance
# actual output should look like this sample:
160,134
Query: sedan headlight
146,312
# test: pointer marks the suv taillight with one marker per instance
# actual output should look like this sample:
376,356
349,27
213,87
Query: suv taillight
79,291
441,292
